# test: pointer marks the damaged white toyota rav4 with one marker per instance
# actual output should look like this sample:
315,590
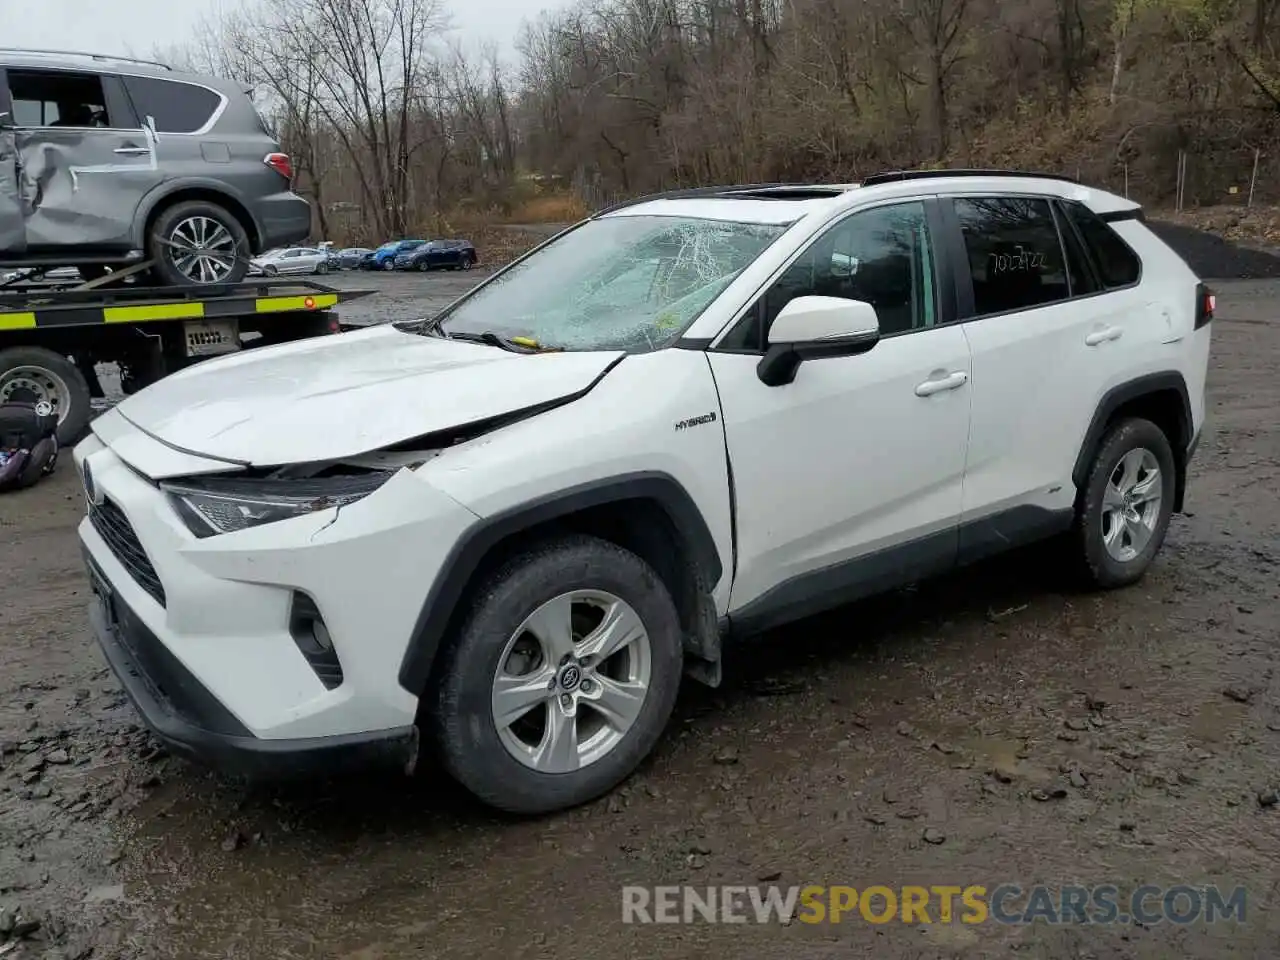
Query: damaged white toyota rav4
505,534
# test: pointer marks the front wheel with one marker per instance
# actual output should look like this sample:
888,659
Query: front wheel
388,264
1126,504
198,243
560,679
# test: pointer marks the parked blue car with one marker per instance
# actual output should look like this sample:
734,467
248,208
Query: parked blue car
384,258
438,255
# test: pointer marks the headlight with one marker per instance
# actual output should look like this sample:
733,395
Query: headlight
225,505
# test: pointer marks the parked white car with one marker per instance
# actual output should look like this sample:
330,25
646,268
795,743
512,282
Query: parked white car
291,260
505,534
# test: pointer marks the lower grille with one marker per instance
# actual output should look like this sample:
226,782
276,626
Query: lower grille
114,527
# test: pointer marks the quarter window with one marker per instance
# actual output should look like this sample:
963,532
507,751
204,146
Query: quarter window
1015,255
175,107
1117,264
882,256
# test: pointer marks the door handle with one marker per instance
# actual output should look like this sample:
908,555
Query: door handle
949,382
132,151
1102,336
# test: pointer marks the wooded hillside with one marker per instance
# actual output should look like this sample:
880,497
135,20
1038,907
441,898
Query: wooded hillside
392,128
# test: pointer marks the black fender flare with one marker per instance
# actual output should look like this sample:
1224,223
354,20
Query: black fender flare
465,557
1127,392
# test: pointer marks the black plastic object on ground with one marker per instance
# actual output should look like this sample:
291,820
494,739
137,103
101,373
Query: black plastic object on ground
28,442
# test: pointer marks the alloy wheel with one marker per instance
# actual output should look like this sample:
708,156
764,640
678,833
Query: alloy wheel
1131,504
202,249
571,681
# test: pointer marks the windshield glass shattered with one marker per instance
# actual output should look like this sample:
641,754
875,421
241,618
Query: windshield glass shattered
630,282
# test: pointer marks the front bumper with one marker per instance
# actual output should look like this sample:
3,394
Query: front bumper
192,723
217,612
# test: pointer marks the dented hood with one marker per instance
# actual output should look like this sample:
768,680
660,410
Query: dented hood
338,396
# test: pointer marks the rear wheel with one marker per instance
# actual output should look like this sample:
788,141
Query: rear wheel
199,243
468,261
1126,504
560,679
35,374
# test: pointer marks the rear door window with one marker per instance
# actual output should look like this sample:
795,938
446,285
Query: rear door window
53,98
176,107
1015,254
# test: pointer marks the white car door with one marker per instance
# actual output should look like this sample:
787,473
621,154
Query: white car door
849,479
1047,342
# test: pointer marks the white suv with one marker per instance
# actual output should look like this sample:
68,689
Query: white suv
511,529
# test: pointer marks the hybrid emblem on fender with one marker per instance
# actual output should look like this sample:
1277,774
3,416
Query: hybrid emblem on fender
696,421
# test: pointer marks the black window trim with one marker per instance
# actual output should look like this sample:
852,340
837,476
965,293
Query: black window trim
1108,221
1063,226
944,279
964,281
6,104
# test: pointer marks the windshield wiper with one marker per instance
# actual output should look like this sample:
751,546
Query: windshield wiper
514,344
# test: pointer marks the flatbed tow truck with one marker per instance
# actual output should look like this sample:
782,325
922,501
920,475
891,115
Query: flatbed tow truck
51,337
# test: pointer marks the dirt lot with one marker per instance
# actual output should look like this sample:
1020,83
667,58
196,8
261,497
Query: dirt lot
1034,735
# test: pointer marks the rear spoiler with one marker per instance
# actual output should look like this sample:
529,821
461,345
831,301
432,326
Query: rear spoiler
1115,216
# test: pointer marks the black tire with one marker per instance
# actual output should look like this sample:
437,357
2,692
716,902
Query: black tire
468,262
79,410
465,733
388,264
322,269
1094,564
422,266
270,270
162,230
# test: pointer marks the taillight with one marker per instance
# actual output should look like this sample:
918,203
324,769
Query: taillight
1205,304
281,164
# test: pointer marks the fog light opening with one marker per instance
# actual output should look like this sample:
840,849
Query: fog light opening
311,634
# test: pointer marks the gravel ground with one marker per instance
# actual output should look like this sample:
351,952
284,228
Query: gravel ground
1215,258
990,727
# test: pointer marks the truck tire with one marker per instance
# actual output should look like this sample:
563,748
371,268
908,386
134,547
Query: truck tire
192,222
523,653
49,376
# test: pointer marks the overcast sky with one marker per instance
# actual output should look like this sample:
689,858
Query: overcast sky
141,26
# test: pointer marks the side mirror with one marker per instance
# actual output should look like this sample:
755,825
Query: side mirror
813,328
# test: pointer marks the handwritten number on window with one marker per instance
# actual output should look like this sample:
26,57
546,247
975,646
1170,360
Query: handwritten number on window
1016,262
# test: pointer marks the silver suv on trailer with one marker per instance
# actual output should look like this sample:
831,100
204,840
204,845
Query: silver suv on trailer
108,161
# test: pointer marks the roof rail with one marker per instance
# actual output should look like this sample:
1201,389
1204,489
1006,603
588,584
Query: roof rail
896,176
108,57
760,191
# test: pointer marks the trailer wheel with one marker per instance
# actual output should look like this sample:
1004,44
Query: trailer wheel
219,245
35,371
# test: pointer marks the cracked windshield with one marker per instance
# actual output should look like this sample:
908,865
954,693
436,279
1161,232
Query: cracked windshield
620,283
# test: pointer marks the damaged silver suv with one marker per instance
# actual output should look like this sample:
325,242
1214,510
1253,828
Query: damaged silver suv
108,162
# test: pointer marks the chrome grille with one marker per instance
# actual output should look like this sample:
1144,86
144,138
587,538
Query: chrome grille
114,527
